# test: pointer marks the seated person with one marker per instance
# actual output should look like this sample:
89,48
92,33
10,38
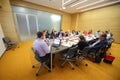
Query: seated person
73,33
42,48
82,42
84,33
45,32
66,34
53,35
90,32
52,31
109,35
96,44
77,32
60,34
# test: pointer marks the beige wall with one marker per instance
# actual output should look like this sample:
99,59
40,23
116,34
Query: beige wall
101,19
104,18
75,22
66,18
6,20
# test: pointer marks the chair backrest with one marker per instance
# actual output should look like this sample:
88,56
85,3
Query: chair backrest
110,41
72,52
82,45
36,54
6,40
102,51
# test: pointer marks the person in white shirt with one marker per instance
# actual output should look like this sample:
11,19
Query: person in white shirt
42,48
108,35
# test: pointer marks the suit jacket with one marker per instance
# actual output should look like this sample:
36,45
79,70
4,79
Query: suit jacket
96,47
61,33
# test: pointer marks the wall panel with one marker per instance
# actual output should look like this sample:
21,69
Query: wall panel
7,21
102,19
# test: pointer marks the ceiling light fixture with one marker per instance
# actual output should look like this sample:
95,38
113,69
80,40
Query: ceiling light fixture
110,3
63,4
66,2
90,4
78,3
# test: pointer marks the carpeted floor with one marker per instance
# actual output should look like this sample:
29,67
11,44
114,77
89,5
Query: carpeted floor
17,65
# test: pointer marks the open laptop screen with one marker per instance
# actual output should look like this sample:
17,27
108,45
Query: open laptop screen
56,42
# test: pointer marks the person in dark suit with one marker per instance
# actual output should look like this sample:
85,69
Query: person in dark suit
60,34
96,44
82,42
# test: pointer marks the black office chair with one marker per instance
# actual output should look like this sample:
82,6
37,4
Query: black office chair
81,56
69,57
39,62
99,54
110,41
9,44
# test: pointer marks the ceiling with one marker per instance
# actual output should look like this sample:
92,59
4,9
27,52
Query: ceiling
74,6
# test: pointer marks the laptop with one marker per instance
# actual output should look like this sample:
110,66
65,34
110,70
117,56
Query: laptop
56,42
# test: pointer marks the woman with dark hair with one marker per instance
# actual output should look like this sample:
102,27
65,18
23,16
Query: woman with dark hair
82,42
53,35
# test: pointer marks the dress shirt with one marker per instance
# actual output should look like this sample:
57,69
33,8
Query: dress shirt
95,43
108,36
60,35
41,47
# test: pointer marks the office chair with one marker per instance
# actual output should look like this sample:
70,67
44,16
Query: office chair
110,41
81,55
39,62
9,44
100,53
69,57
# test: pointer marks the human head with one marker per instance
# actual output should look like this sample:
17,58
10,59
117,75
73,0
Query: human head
73,31
44,32
85,33
103,36
55,32
98,31
81,37
40,35
106,32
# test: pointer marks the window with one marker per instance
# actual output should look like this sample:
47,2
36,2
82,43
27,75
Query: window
29,21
